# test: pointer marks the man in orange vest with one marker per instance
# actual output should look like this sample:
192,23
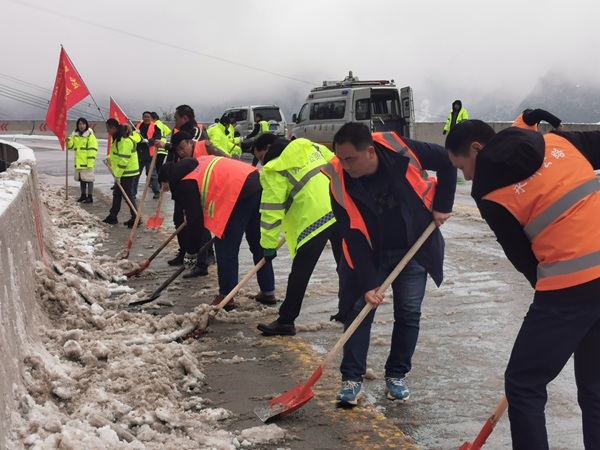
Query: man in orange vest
540,196
531,118
383,201
186,147
150,134
223,196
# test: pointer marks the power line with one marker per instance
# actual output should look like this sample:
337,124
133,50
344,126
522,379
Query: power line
16,80
40,102
78,19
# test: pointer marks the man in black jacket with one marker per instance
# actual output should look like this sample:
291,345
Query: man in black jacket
540,196
185,120
390,215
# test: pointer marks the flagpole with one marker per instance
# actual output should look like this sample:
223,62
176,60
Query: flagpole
128,119
81,78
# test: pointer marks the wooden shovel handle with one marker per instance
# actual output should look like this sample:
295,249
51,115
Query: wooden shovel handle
125,196
368,306
169,239
138,215
250,274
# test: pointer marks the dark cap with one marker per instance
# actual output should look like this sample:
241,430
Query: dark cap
178,137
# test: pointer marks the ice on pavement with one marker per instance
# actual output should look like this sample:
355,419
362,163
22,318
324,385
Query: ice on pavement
84,387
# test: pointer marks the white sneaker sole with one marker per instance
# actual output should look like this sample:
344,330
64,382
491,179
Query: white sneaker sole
391,397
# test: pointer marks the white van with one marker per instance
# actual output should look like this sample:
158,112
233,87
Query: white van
244,116
378,104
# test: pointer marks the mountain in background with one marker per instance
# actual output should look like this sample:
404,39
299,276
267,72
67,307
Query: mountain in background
571,98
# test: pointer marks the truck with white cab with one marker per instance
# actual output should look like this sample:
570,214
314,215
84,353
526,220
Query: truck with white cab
377,103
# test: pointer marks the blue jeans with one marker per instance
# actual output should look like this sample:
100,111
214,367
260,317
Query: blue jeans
245,218
547,339
409,290
145,165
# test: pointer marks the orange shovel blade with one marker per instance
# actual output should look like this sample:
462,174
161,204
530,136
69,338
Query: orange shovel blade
154,223
284,404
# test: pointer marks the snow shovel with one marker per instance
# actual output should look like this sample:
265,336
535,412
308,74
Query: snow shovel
487,428
178,272
155,222
229,296
136,272
121,188
300,395
138,216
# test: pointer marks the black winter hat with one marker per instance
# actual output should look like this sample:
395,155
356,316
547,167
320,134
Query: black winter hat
178,137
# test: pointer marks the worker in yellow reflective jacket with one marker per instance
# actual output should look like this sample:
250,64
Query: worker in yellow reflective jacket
295,197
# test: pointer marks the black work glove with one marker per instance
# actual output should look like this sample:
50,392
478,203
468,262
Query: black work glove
269,254
444,132
189,260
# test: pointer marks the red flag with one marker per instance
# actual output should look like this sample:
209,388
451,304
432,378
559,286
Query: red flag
116,113
69,89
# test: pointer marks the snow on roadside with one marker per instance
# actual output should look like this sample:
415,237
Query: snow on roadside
84,386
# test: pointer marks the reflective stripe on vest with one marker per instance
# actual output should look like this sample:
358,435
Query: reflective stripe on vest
519,123
421,182
149,134
557,207
220,181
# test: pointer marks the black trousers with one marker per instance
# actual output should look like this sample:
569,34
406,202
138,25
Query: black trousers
202,260
127,184
303,266
547,339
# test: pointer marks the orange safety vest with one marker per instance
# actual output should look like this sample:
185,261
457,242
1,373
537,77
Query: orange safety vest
200,149
220,181
150,133
423,185
558,209
519,123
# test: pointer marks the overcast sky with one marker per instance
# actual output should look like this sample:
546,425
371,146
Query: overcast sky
443,49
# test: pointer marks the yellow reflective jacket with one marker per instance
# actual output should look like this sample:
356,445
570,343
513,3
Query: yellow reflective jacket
462,115
218,137
85,147
164,132
295,195
236,149
123,156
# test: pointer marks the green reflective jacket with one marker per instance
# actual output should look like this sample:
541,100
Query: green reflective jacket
295,195
221,140
164,131
123,156
85,147
462,115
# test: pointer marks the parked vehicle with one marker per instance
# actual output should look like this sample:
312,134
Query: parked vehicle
378,103
244,116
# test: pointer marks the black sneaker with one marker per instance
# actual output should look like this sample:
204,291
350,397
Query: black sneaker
111,220
178,260
277,329
82,198
156,195
88,199
196,271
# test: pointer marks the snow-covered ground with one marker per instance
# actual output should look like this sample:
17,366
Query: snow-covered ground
87,384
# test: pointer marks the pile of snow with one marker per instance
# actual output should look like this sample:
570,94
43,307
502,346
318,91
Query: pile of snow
105,378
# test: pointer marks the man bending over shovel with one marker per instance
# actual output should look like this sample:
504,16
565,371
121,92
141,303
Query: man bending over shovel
222,195
383,200
540,196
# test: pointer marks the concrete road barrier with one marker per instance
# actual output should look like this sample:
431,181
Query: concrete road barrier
21,248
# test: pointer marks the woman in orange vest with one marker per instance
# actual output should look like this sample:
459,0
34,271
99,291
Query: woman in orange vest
540,196
222,195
